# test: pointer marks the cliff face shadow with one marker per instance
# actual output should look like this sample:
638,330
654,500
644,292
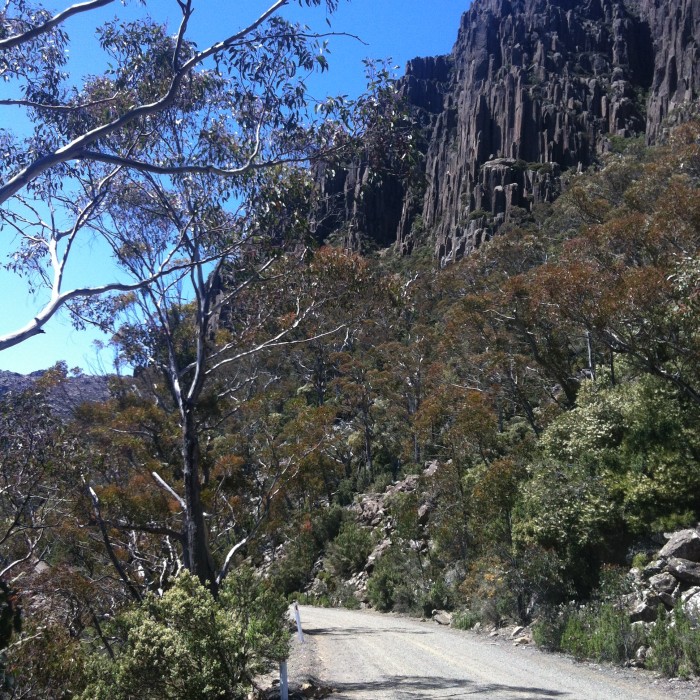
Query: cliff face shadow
417,687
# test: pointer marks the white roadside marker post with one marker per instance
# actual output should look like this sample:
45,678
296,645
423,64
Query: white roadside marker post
284,683
297,617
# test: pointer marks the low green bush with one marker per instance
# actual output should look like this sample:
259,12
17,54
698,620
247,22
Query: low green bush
675,645
548,629
603,633
465,619
320,601
344,597
598,631
640,560
439,596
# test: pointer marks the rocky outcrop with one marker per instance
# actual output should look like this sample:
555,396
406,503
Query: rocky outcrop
684,544
672,578
532,88
373,510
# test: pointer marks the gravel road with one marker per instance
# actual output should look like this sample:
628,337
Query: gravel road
366,655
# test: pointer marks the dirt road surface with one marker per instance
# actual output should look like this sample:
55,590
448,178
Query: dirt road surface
364,655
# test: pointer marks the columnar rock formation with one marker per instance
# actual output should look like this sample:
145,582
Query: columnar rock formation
532,88
539,81
675,88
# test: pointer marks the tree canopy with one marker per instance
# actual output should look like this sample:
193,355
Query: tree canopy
161,109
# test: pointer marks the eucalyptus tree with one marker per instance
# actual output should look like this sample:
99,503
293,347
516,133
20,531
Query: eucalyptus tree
187,165
226,298
76,139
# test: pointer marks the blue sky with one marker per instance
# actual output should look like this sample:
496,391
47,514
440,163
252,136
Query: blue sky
400,29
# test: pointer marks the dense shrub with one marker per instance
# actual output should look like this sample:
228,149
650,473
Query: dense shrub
187,645
395,583
292,572
600,629
608,634
488,591
465,619
347,553
548,629
603,632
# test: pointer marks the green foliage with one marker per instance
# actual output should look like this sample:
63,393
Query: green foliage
395,583
465,619
492,591
345,492
404,582
552,377
186,645
569,510
536,577
622,462
350,602
675,644
542,168
627,145
48,664
418,229
439,596
548,629
599,629
639,439
640,560
344,597
348,552
291,573
602,633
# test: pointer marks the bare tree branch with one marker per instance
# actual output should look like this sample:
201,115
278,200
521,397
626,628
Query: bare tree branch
56,108
31,546
272,343
164,485
108,545
19,39
78,146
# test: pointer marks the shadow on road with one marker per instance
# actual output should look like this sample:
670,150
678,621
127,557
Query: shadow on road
352,631
417,686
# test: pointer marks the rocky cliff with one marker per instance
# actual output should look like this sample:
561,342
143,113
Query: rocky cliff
532,88
64,396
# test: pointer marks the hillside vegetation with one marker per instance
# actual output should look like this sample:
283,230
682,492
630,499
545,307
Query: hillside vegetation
551,381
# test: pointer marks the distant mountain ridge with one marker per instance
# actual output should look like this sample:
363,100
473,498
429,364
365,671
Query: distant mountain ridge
532,88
